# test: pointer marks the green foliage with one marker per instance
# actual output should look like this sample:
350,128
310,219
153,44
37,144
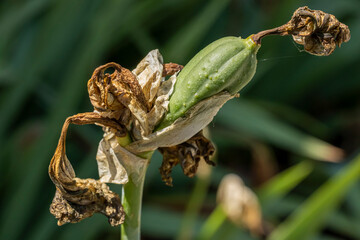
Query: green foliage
297,106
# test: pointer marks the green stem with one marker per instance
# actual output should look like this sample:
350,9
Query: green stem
131,197
132,202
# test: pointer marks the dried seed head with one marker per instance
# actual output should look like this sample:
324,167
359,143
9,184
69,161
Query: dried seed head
317,31
188,154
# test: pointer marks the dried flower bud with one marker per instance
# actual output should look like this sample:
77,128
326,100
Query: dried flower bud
188,154
317,31
240,203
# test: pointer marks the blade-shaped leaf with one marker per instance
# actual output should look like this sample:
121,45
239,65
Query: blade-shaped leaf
311,215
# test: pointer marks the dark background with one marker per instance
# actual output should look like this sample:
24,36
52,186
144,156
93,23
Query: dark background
295,103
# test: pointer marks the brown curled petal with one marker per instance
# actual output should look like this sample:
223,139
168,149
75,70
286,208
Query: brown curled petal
104,90
188,154
170,160
75,198
72,207
171,68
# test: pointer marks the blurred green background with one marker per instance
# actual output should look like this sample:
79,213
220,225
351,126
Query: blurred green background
295,111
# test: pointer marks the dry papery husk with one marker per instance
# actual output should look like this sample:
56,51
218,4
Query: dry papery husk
240,203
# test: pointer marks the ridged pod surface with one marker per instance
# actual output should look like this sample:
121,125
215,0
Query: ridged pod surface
227,64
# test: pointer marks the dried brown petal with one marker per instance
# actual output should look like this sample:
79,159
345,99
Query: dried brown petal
171,68
188,154
116,164
149,74
317,31
92,197
75,198
157,91
160,106
113,95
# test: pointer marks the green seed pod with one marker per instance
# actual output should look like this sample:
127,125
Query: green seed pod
227,64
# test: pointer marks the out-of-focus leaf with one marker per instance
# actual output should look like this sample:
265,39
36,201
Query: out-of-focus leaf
344,225
311,215
353,200
16,17
243,116
160,223
284,182
297,118
212,223
98,40
182,44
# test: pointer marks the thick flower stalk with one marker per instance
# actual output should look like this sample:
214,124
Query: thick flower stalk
142,111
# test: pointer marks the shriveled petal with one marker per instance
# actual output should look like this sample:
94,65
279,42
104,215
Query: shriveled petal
92,197
183,128
171,69
160,107
149,73
109,166
75,198
114,95
118,163
188,154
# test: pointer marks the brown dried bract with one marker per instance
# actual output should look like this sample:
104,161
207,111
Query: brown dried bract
76,199
188,154
171,68
317,31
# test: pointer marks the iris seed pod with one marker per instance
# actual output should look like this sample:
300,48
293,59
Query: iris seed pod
227,64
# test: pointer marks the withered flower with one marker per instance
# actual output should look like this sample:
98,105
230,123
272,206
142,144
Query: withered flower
127,104
317,31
